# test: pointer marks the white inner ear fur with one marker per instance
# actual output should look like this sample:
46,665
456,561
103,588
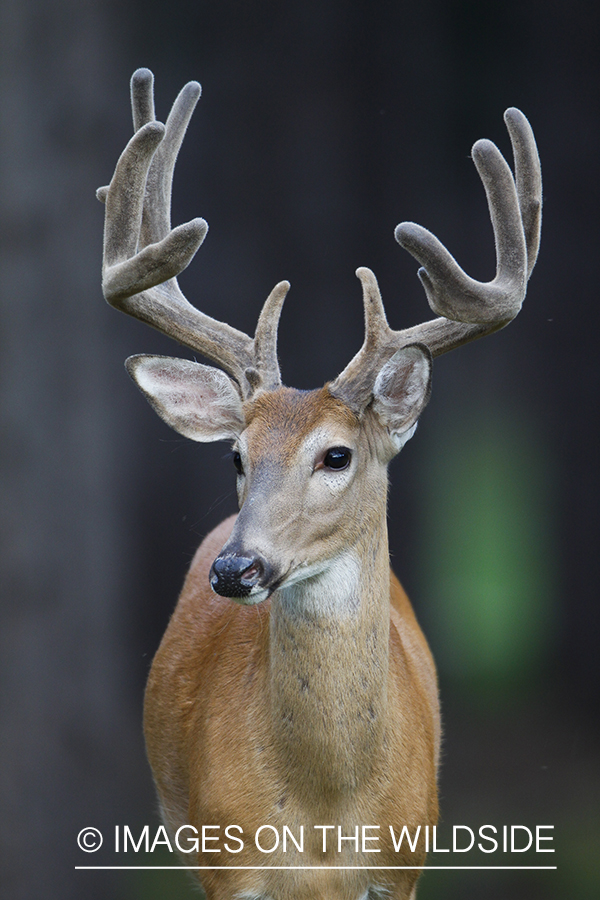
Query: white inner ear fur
199,402
401,392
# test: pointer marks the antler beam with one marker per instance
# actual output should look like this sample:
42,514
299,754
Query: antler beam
468,309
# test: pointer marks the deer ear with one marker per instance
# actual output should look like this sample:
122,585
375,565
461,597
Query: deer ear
401,391
199,402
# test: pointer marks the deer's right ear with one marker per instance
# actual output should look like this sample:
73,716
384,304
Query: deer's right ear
200,402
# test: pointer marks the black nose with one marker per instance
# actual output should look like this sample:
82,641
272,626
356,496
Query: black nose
235,576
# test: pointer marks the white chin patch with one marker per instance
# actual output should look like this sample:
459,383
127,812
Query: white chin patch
256,595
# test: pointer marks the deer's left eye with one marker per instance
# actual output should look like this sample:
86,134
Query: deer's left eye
237,461
337,458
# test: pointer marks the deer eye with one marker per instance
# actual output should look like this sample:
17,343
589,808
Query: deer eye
237,461
337,458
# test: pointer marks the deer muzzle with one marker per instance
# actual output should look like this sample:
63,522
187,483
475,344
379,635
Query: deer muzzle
235,575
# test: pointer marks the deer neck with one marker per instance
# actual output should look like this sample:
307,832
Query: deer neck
329,647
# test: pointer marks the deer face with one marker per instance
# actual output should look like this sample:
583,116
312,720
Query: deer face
311,472
303,470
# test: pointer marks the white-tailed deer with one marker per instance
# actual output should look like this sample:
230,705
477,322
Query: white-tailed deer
293,695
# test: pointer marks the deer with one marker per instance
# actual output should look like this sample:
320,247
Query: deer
291,714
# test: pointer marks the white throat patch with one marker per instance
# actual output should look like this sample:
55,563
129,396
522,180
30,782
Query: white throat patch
330,590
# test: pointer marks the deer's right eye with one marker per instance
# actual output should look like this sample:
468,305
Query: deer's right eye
237,461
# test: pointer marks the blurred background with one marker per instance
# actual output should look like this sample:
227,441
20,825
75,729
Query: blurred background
322,125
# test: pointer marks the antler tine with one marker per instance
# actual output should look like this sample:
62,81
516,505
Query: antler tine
143,255
265,340
528,176
355,384
141,88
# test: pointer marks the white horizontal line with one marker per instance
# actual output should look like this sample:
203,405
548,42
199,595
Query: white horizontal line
283,868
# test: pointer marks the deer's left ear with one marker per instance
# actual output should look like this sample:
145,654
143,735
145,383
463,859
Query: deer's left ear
401,391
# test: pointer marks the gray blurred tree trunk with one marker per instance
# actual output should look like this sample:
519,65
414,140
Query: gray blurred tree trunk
66,736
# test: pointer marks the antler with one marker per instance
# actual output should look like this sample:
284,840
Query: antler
469,309
143,255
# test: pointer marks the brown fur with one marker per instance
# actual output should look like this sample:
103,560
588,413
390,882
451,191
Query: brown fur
288,415
255,716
